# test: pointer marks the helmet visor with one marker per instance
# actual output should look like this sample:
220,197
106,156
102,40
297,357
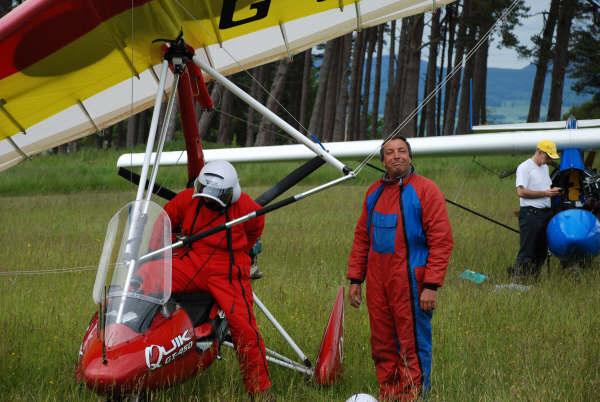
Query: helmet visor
221,195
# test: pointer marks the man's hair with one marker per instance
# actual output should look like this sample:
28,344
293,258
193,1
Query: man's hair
395,137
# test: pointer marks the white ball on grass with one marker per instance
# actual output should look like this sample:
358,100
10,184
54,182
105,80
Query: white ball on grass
361,398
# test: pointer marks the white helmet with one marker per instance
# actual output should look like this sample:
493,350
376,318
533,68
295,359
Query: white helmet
218,181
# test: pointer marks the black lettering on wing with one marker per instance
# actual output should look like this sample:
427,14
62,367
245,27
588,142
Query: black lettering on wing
261,7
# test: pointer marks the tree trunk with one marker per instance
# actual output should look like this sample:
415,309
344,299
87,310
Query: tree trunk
388,109
306,86
410,94
224,132
172,123
371,40
395,96
109,135
100,139
454,83
316,118
72,147
428,123
256,92
355,83
122,134
207,115
377,85
333,81
480,85
131,124
544,54
466,90
451,17
339,128
561,58
142,126
463,122
265,134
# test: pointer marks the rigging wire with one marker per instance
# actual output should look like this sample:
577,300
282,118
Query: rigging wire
465,179
131,80
441,85
249,123
49,271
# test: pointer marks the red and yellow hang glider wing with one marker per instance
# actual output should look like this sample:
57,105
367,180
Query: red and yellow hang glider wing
72,67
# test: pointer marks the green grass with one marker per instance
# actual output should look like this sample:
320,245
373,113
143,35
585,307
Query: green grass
489,345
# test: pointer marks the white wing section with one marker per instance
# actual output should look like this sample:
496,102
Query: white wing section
469,144
546,125
133,95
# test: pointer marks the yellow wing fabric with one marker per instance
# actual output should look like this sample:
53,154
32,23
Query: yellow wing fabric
70,67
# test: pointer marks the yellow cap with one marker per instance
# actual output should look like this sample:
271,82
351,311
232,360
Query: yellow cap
549,147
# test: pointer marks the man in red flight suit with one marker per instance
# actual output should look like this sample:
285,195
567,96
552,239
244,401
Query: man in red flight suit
224,271
402,245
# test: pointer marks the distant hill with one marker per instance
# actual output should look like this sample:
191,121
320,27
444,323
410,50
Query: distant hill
508,93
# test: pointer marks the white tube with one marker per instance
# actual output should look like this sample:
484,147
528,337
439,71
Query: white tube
279,328
278,121
153,126
163,136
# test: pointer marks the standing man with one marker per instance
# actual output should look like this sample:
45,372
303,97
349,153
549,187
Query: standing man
402,245
534,188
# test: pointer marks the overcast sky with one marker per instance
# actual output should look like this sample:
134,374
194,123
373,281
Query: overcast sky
507,58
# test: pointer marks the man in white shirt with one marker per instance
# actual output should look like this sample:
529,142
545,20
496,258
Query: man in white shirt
534,188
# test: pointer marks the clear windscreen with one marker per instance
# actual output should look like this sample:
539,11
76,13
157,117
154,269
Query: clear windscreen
124,271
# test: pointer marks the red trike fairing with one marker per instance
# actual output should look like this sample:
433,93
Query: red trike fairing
141,338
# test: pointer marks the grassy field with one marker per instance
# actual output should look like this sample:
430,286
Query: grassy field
489,345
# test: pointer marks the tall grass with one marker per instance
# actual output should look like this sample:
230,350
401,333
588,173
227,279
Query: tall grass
491,345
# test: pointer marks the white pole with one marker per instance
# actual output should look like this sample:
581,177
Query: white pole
153,127
279,328
282,362
278,121
137,215
162,138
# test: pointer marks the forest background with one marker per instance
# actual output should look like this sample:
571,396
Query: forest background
366,84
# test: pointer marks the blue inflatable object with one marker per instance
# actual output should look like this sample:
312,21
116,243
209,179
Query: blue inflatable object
574,234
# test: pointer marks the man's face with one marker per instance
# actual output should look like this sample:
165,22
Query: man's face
396,159
543,158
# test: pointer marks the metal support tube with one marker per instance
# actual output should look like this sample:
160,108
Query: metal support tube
19,150
153,127
162,138
278,121
281,360
88,115
279,328
10,116
299,368
137,216
245,218
280,356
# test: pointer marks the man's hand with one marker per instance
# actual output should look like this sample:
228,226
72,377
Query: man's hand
427,301
554,191
526,193
355,294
